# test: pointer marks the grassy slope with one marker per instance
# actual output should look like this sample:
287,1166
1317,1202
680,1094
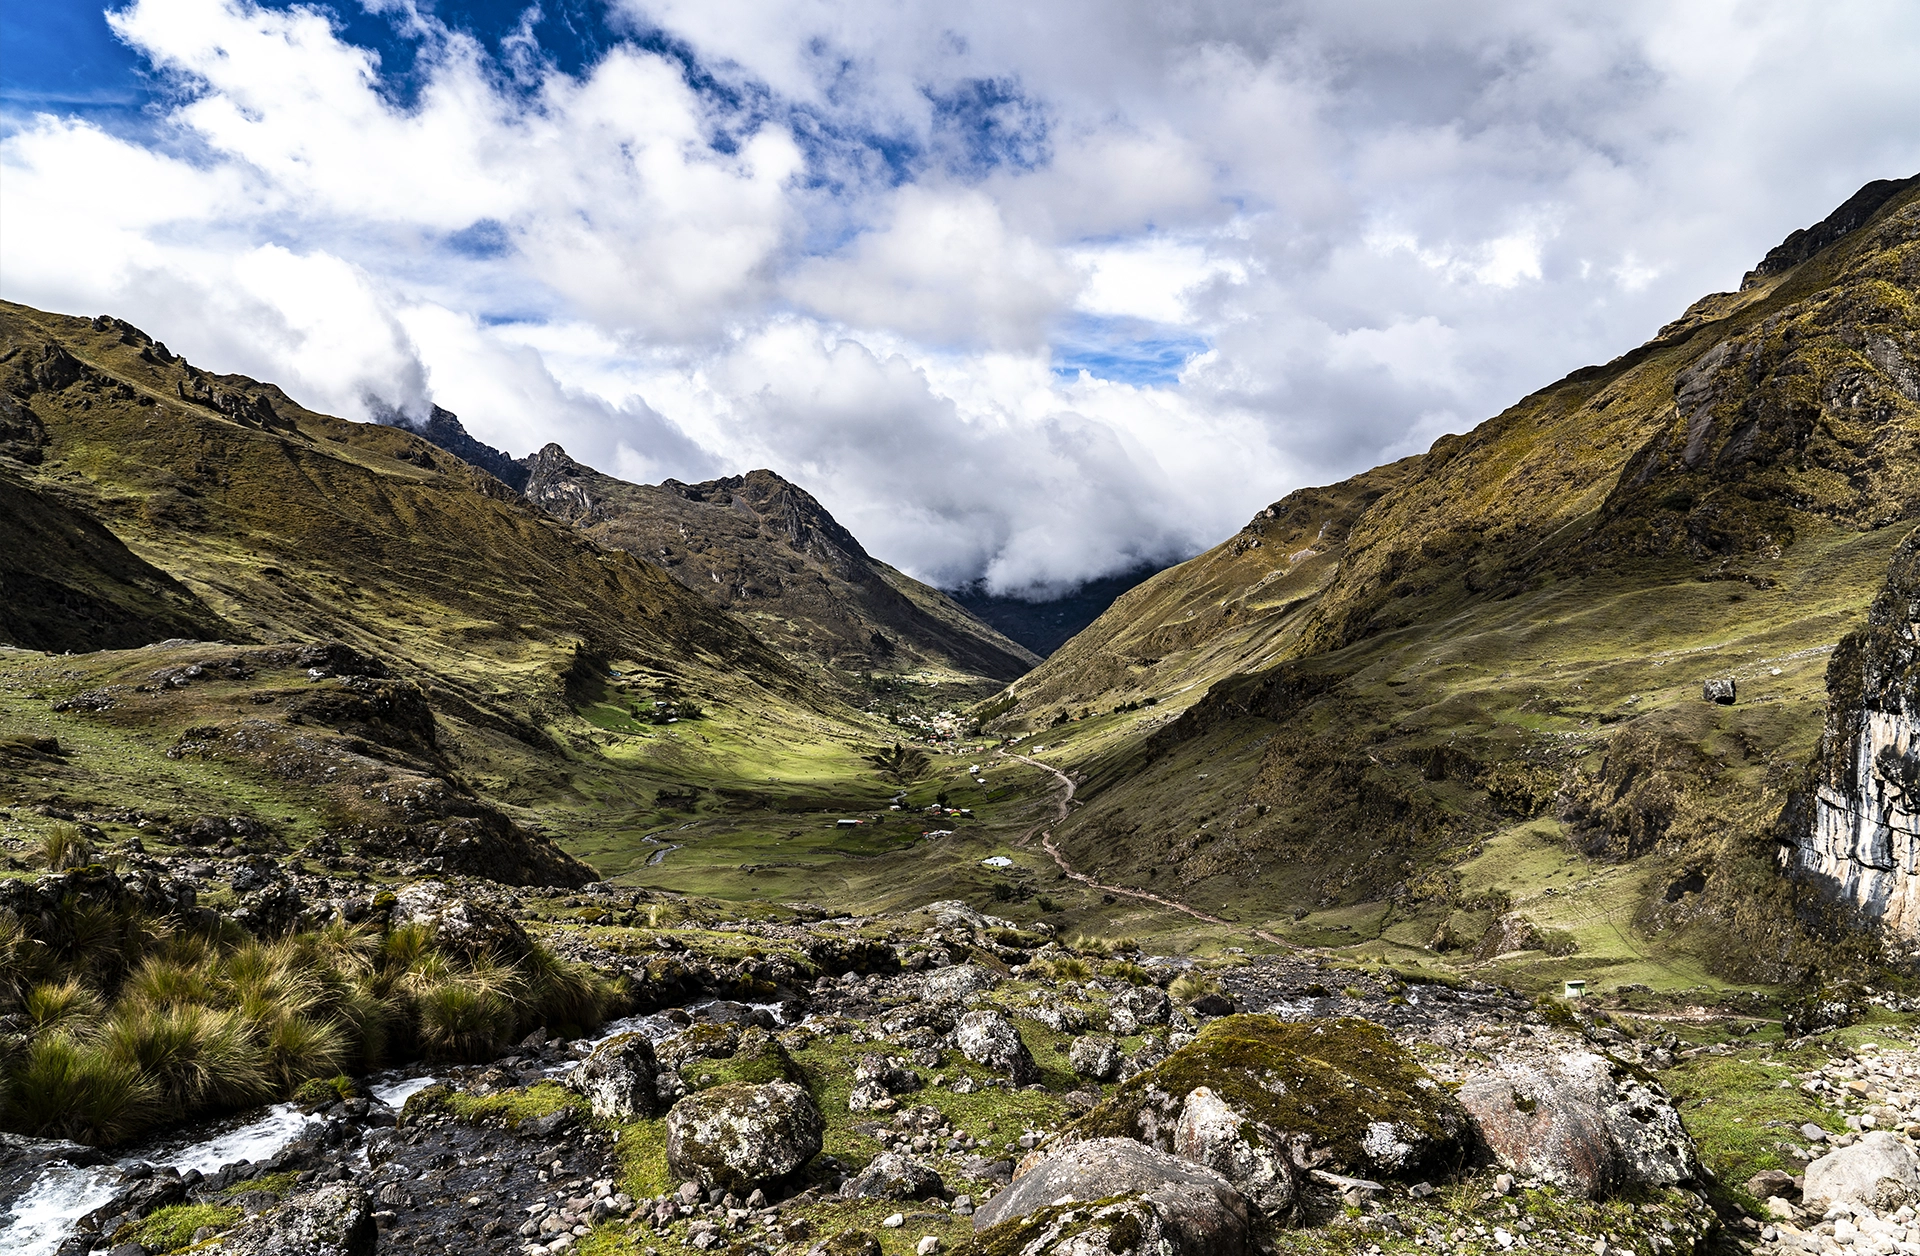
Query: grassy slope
1513,643
295,526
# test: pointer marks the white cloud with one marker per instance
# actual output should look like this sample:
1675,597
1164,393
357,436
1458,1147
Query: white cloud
1306,235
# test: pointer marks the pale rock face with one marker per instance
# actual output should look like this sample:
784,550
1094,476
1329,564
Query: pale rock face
1854,829
1866,844
1211,1133
1880,1171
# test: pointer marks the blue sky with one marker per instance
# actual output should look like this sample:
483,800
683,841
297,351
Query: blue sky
1024,293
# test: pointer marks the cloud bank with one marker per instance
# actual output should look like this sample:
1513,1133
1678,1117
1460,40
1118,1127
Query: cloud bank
1024,293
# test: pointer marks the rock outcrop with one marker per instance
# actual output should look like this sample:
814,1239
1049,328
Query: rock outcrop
1854,831
1149,1201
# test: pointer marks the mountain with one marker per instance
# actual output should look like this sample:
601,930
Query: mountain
479,663
768,551
1463,700
1045,626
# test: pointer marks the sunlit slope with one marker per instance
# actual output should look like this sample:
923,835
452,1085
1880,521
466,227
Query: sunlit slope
1235,608
1517,633
251,518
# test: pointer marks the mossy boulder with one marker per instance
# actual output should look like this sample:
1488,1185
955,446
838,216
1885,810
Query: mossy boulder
335,1220
740,1135
1335,1093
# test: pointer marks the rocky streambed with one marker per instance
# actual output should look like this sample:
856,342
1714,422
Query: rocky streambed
962,1084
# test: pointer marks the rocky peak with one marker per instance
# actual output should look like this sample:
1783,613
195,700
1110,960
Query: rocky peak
785,507
560,486
444,429
1853,214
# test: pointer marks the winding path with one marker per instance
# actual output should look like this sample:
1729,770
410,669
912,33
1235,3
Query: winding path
1047,844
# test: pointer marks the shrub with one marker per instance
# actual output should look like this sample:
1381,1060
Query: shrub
1091,944
1132,974
462,1020
195,1057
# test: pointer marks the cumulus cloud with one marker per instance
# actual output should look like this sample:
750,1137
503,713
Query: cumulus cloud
1028,293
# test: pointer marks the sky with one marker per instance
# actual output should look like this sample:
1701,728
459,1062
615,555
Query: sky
1025,293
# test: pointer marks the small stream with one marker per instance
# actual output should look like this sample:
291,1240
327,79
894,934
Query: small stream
62,1193
44,1215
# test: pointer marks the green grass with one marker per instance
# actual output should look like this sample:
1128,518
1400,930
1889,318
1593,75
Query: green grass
171,1229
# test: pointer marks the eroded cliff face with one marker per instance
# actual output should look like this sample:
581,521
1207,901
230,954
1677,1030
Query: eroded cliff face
1855,831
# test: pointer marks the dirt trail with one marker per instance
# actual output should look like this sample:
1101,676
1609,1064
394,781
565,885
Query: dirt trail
1046,843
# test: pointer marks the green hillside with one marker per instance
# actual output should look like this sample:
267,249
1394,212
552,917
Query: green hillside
1391,711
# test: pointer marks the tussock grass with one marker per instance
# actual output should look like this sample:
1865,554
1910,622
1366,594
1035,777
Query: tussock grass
135,1024
1190,986
65,846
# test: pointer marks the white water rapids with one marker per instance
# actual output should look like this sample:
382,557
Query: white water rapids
63,1193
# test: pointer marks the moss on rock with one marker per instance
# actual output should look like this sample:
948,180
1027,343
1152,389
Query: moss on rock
1341,1085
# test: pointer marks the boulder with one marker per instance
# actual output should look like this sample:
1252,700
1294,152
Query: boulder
891,1175
739,1136
619,1078
1137,1008
335,1220
1880,1171
876,1080
1211,1133
1095,1056
1581,1122
459,924
1720,690
1151,1202
959,983
1340,1094
990,1040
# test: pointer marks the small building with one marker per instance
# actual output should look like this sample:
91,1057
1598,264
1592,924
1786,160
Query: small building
1576,989
846,824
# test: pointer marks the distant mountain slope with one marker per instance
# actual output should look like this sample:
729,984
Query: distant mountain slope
1044,627
1497,681
766,550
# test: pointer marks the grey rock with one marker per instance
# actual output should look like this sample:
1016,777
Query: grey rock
960,983
1174,1206
990,1040
1881,1171
459,924
1137,1008
332,1221
1095,1056
1255,1160
1719,689
619,1079
1580,1122
740,1135
891,1175
876,1080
